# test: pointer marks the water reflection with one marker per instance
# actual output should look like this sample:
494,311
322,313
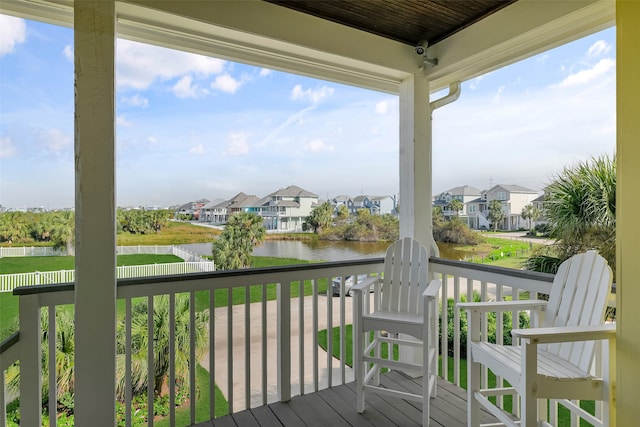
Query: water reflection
325,250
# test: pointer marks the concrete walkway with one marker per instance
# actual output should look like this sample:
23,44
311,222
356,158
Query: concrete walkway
237,365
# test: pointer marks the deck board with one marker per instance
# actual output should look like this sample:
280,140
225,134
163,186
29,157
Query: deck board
336,406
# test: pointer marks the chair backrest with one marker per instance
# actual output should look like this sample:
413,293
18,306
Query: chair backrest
405,277
578,298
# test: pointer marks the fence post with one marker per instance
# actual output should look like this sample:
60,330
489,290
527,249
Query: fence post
284,341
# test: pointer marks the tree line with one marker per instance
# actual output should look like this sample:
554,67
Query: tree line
58,228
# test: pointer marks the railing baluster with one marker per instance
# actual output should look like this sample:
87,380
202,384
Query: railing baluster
445,327
314,291
456,331
230,348
172,359
284,341
212,354
127,363
247,347
329,333
301,334
53,389
30,361
343,345
193,362
264,343
150,370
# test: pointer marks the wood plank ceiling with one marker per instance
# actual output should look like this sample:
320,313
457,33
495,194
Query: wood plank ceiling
406,21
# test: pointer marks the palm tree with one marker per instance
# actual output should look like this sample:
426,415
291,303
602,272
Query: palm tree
320,217
233,248
64,356
580,206
63,231
161,343
456,206
496,214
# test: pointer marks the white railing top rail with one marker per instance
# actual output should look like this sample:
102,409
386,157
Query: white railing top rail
62,293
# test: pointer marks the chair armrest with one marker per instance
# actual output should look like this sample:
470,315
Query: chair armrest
365,284
432,289
499,306
556,334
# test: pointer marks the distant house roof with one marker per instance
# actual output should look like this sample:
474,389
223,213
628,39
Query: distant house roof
359,199
293,191
341,198
514,188
464,190
286,203
376,198
478,200
539,198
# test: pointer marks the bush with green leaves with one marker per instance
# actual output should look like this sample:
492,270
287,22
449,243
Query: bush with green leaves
491,326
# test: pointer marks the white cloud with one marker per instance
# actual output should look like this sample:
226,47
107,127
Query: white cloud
264,72
7,148
13,31
151,139
499,93
543,58
54,140
68,52
382,107
388,106
598,48
318,145
585,76
198,149
226,83
473,84
312,95
136,101
121,120
185,88
139,65
237,144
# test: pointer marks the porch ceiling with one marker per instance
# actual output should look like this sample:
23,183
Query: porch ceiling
405,21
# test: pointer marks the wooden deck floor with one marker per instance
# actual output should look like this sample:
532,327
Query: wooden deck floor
336,407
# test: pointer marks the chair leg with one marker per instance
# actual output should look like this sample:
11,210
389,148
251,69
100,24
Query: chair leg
473,386
426,377
359,366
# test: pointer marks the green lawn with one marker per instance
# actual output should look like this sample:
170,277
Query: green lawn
183,414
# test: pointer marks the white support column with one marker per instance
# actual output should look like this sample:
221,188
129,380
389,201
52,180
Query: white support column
415,176
95,289
415,159
626,369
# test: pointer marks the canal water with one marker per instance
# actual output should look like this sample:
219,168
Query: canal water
325,250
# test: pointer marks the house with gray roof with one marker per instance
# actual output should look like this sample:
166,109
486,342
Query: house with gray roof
219,212
287,208
513,198
465,194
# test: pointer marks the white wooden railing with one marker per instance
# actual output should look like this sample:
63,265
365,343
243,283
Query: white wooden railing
257,353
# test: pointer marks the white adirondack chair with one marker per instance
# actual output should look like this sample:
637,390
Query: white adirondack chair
553,361
403,304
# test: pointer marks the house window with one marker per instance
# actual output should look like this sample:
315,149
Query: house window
502,195
472,208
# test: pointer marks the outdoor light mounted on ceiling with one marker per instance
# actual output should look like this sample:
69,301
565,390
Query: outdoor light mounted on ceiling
421,50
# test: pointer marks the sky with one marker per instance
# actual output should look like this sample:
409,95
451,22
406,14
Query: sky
191,127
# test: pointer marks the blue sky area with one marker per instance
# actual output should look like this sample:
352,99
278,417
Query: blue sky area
191,127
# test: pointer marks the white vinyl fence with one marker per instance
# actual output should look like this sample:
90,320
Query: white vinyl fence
120,250
10,281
